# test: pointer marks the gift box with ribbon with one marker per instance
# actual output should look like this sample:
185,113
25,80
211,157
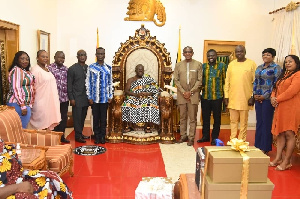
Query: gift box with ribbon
227,165
237,163
154,187
232,190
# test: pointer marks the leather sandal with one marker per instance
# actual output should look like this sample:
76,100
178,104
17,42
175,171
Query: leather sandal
272,164
127,129
148,129
279,168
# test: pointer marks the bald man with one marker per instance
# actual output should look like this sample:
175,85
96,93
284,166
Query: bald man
188,79
238,88
77,94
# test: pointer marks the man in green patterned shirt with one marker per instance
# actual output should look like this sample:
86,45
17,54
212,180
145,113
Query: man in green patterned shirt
212,95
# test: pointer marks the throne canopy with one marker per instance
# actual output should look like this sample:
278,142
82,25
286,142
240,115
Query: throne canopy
144,49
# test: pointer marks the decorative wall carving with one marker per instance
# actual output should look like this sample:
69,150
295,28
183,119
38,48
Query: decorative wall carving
145,10
142,40
4,86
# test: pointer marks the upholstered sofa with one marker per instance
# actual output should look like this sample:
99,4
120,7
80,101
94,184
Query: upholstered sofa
59,158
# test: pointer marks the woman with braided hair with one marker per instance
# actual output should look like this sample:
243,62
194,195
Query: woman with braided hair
285,98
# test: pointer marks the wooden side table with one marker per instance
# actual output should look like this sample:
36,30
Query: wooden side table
34,159
186,187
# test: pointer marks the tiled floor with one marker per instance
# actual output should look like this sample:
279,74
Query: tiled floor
116,173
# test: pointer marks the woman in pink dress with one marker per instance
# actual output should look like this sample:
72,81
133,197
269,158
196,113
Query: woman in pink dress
46,108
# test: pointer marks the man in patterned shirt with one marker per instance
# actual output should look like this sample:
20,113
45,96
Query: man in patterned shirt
141,105
212,95
99,90
60,71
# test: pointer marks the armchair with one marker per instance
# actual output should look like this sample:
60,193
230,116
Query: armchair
59,158
148,51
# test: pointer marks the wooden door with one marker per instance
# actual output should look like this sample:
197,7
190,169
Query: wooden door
9,45
226,53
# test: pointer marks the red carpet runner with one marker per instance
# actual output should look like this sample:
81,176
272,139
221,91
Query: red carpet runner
116,173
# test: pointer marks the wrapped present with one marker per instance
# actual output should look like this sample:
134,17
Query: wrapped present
227,165
200,163
232,190
154,188
236,147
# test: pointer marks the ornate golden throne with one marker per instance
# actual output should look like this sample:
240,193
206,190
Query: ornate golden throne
147,50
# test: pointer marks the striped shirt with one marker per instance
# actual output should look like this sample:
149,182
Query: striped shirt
213,80
21,83
99,83
60,74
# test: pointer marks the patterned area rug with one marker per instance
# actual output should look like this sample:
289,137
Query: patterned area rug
141,134
89,150
178,158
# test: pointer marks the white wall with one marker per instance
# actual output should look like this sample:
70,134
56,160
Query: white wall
31,15
73,25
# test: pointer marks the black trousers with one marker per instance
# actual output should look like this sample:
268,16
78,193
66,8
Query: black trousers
207,107
64,117
99,111
79,114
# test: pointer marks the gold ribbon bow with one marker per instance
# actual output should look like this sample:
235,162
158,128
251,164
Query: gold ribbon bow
238,145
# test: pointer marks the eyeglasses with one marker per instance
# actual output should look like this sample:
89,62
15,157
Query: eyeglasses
83,54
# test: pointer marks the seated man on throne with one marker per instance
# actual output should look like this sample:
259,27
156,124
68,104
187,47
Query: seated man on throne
141,104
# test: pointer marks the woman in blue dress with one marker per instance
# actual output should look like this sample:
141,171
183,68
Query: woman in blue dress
266,75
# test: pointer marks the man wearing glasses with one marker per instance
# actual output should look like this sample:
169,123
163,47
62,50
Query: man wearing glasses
188,79
77,94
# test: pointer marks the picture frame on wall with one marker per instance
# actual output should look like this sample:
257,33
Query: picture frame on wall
44,41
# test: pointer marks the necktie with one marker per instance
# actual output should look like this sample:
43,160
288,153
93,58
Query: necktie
188,73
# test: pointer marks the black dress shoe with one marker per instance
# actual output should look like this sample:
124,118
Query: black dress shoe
64,140
97,141
80,140
203,140
213,142
85,137
102,141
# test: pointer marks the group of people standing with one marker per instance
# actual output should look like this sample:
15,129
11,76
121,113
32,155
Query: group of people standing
41,95
275,91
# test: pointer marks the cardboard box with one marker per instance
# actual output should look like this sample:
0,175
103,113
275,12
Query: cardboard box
200,162
232,190
154,187
226,166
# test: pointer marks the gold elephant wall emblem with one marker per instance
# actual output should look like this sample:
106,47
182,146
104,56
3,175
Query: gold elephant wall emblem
145,10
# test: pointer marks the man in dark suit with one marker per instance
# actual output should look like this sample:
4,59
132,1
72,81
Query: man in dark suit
77,94
188,79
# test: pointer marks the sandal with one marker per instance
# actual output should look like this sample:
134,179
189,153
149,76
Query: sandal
127,129
279,168
271,164
148,129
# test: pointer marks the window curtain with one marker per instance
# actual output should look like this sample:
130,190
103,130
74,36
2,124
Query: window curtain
286,33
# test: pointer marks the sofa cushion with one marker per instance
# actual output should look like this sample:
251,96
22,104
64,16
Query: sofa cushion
58,157
11,126
42,137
